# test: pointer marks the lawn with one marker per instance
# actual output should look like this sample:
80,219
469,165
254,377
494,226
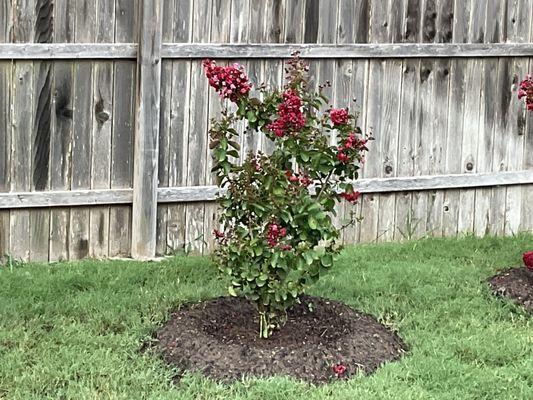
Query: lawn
73,330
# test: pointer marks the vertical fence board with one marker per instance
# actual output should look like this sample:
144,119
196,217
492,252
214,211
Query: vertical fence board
122,131
197,143
20,159
102,130
22,119
220,33
518,31
6,18
392,86
527,190
5,150
41,135
164,127
62,130
85,31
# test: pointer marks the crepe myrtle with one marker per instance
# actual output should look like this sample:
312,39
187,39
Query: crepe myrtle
276,236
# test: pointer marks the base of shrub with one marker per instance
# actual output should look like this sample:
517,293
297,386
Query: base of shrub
515,284
323,340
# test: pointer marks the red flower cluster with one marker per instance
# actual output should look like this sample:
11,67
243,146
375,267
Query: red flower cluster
230,82
351,197
351,142
304,179
291,118
274,234
220,237
528,259
339,370
339,116
526,91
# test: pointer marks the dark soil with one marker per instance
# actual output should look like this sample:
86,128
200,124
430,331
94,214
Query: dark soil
219,338
515,284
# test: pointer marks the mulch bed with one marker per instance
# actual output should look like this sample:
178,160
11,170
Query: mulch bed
219,339
515,284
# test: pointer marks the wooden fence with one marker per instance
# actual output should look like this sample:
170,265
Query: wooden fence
104,112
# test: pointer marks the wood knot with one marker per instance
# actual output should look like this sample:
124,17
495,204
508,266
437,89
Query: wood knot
469,166
102,117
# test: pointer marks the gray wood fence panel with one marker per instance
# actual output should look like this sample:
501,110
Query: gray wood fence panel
434,79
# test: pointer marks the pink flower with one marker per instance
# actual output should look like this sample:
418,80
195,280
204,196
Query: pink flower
274,234
290,116
342,157
526,92
230,82
305,180
339,116
528,259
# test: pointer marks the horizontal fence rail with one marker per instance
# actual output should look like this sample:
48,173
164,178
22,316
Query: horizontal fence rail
210,193
78,51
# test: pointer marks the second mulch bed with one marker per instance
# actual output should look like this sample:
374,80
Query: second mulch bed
219,339
515,284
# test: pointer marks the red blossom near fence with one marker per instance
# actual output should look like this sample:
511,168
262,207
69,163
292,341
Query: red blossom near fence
351,197
274,234
290,116
339,116
528,259
230,82
526,92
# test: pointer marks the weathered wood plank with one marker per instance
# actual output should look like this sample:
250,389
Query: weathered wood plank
80,51
6,21
146,140
21,156
164,127
41,134
220,32
318,51
5,150
102,131
61,135
188,194
67,51
84,32
526,223
22,126
518,31
122,132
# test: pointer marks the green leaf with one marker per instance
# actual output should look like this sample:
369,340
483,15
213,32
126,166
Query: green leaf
327,260
278,191
312,223
232,292
250,116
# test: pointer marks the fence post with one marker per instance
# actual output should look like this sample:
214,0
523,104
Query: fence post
146,144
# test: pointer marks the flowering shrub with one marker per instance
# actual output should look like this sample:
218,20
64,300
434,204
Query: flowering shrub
526,92
528,260
277,236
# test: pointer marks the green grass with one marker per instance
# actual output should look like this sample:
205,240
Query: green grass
73,331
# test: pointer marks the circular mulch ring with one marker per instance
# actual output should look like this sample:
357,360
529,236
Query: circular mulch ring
516,284
219,338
